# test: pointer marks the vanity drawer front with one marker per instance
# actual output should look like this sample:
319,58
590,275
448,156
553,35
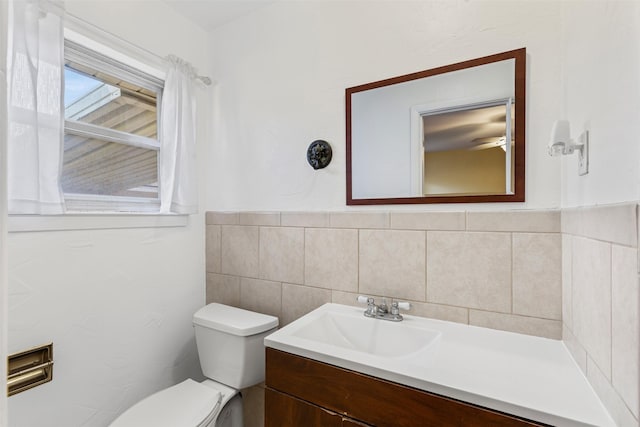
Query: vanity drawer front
292,412
371,400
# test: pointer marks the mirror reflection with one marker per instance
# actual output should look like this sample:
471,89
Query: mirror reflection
451,134
468,150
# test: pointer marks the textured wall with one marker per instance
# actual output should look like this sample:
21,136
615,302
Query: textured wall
601,93
601,61
601,303
282,72
117,304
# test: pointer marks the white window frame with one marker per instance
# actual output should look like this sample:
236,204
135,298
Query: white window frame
83,203
95,214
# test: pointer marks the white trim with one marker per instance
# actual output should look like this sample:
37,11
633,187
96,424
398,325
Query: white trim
416,155
29,223
98,97
74,36
111,135
508,149
100,203
123,70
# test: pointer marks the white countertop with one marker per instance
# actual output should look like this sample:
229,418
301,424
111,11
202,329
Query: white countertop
532,377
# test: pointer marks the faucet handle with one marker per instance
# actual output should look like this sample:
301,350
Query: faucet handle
396,306
403,305
364,299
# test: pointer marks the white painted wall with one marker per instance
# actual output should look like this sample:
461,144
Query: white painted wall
601,93
117,304
282,72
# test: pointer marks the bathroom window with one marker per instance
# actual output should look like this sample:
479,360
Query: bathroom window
111,121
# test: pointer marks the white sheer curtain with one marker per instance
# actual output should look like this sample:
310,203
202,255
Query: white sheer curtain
35,141
178,177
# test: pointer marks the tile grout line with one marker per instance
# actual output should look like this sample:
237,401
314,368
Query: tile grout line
304,255
358,261
426,268
511,290
611,315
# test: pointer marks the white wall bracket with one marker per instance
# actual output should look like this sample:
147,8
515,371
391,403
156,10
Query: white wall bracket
562,144
583,153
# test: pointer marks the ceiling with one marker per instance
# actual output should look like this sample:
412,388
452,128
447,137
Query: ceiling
469,129
211,14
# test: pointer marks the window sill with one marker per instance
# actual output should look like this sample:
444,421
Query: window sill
92,221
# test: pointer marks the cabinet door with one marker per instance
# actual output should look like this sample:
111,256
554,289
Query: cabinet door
282,410
375,401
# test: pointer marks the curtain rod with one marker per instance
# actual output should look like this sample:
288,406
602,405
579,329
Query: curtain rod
109,35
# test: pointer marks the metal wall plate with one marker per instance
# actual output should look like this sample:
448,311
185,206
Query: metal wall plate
319,154
29,369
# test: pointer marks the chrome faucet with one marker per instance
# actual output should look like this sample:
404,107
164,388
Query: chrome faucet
372,308
383,311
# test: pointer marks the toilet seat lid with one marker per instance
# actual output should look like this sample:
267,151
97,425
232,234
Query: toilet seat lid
188,404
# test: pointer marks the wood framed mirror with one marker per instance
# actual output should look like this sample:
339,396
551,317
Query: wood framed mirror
452,134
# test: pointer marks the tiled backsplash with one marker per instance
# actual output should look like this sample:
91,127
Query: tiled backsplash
601,300
495,269
571,275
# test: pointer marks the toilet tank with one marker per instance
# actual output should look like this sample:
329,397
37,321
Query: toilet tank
230,343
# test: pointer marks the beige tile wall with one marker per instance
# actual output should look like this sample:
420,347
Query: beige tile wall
572,275
501,270
601,302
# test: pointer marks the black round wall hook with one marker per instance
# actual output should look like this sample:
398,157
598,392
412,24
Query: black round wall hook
319,154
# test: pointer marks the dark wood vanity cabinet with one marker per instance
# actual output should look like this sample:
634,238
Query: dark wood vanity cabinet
285,410
301,392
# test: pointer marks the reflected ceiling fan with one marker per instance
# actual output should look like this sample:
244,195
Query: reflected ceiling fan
489,142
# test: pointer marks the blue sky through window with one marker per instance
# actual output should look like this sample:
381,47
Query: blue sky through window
77,85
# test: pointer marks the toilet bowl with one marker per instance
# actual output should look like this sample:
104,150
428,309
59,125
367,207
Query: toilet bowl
230,345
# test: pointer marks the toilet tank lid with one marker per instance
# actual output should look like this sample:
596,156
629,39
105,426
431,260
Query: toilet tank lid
232,320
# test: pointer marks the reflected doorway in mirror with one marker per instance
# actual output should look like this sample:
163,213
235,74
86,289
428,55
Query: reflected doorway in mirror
464,150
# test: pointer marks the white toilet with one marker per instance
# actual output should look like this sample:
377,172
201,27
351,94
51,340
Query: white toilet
231,348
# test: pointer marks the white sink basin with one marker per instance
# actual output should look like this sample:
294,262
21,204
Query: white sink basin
342,334
532,377
371,336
